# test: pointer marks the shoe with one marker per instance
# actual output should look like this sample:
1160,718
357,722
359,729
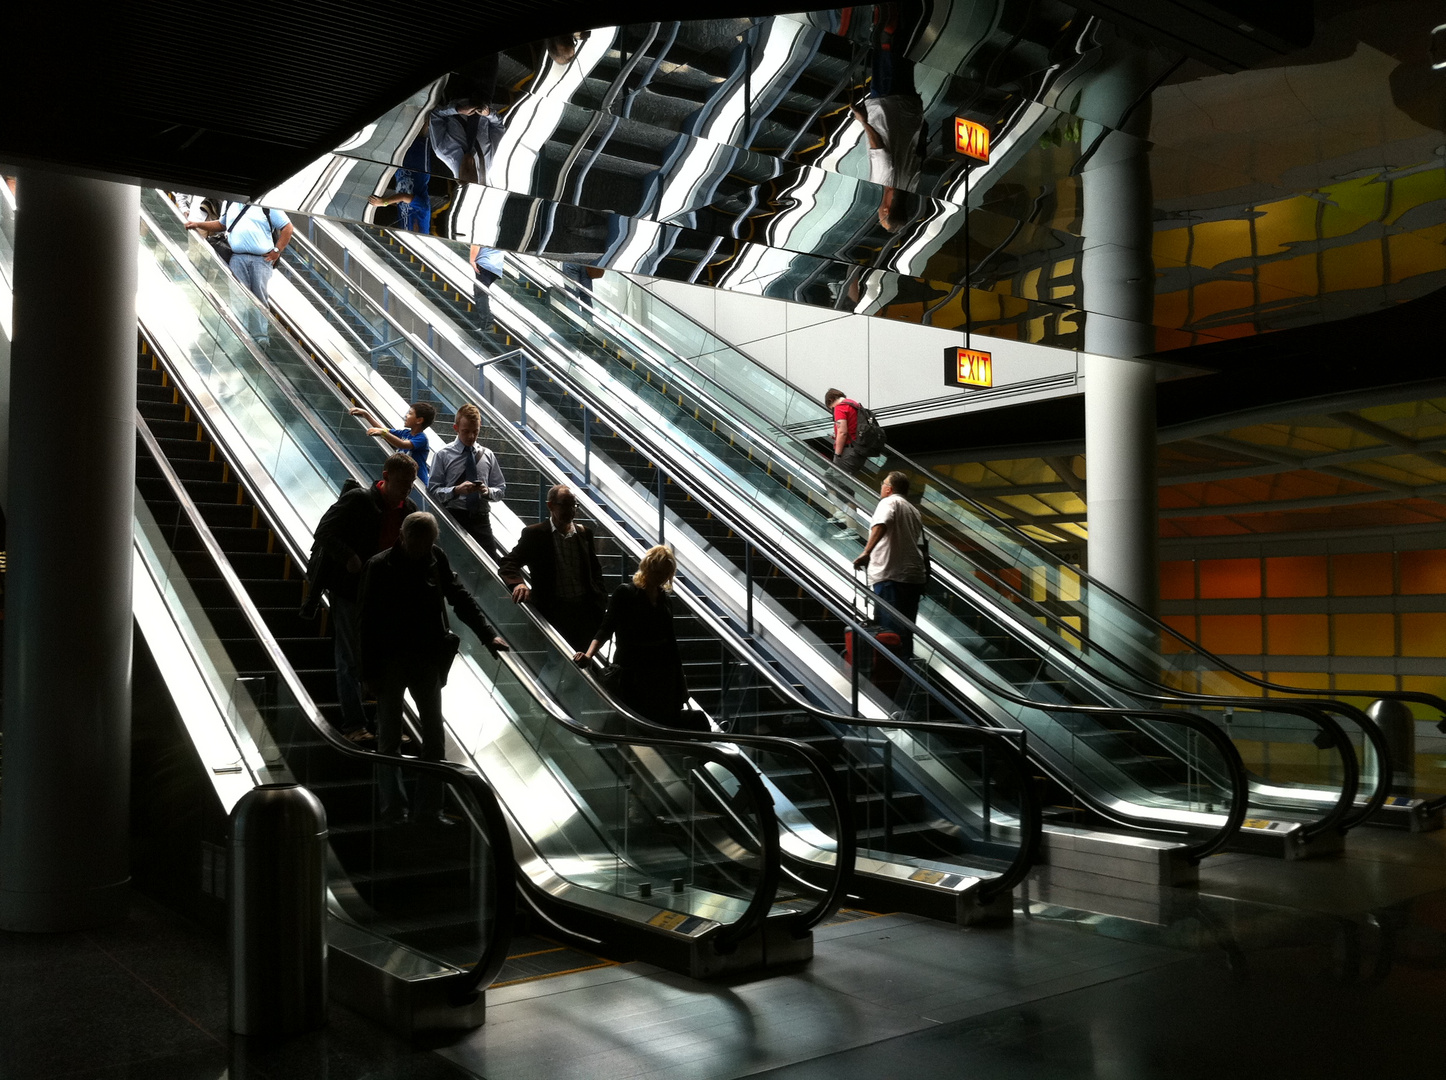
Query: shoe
845,534
447,820
838,521
361,735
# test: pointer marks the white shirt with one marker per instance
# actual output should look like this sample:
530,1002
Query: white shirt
896,557
897,119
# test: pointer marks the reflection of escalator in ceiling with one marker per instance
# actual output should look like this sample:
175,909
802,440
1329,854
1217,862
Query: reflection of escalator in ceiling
962,828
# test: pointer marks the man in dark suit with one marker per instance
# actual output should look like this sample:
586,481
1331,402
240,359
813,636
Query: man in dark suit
567,585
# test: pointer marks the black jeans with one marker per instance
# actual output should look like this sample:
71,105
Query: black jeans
420,675
478,524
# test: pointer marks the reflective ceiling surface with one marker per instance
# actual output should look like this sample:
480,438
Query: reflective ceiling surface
1128,187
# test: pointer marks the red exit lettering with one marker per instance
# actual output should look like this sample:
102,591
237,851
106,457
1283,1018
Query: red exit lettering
973,368
971,139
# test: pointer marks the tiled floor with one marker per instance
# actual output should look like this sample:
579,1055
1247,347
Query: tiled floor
1320,969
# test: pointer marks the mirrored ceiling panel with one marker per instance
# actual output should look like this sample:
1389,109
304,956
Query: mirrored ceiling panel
819,157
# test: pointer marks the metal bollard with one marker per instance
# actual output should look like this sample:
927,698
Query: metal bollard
1399,727
276,911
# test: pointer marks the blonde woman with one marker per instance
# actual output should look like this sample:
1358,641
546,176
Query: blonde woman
641,614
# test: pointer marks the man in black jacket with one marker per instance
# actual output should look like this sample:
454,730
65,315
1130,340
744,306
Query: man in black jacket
362,522
404,634
567,583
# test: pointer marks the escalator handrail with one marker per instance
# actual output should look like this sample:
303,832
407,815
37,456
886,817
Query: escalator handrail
954,491
492,823
759,905
829,602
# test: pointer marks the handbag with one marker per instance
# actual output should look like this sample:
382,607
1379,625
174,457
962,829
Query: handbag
611,678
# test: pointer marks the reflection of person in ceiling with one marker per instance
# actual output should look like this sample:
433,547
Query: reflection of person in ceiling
465,129
562,49
893,114
410,195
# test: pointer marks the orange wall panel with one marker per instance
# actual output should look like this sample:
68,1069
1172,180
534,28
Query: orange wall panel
1296,575
1229,579
1423,633
1365,574
1368,634
1177,580
1234,634
1298,635
1423,572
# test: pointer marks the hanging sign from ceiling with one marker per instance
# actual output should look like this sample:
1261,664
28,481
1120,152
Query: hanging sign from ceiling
971,139
968,367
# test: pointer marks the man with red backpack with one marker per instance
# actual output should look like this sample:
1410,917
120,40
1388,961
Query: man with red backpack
856,437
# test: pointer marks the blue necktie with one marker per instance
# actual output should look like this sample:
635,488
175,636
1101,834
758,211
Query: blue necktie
469,472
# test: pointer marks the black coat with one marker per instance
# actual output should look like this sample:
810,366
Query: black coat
351,526
402,618
534,550
650,668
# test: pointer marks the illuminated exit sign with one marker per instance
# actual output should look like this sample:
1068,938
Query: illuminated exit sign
971,139
968,367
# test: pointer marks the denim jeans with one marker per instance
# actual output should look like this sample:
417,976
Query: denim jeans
905,598
254,272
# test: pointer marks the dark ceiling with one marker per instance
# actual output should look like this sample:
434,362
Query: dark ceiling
235,100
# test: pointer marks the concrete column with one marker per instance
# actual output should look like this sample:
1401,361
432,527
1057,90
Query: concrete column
1117,275
64,821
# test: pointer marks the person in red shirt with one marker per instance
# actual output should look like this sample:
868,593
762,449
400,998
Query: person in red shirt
848,455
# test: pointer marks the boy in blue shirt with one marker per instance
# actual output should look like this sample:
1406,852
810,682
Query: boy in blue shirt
411,437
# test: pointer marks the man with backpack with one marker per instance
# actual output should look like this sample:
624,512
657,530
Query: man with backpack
856,437
362,522
856,434
255,238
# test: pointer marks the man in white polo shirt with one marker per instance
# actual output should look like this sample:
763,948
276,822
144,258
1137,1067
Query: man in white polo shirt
897,571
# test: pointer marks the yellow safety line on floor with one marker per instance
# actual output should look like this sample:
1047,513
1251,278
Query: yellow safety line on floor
554,974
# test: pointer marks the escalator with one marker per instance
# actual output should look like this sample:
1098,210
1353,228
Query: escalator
948,833
670,848
1004,589
1193,803
419,917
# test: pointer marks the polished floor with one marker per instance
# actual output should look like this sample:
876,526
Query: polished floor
1330,968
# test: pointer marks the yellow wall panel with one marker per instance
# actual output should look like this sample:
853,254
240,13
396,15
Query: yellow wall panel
1423,633
1366,634
1233,634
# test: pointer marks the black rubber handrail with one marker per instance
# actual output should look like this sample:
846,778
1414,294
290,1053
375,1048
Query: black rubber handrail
757,910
